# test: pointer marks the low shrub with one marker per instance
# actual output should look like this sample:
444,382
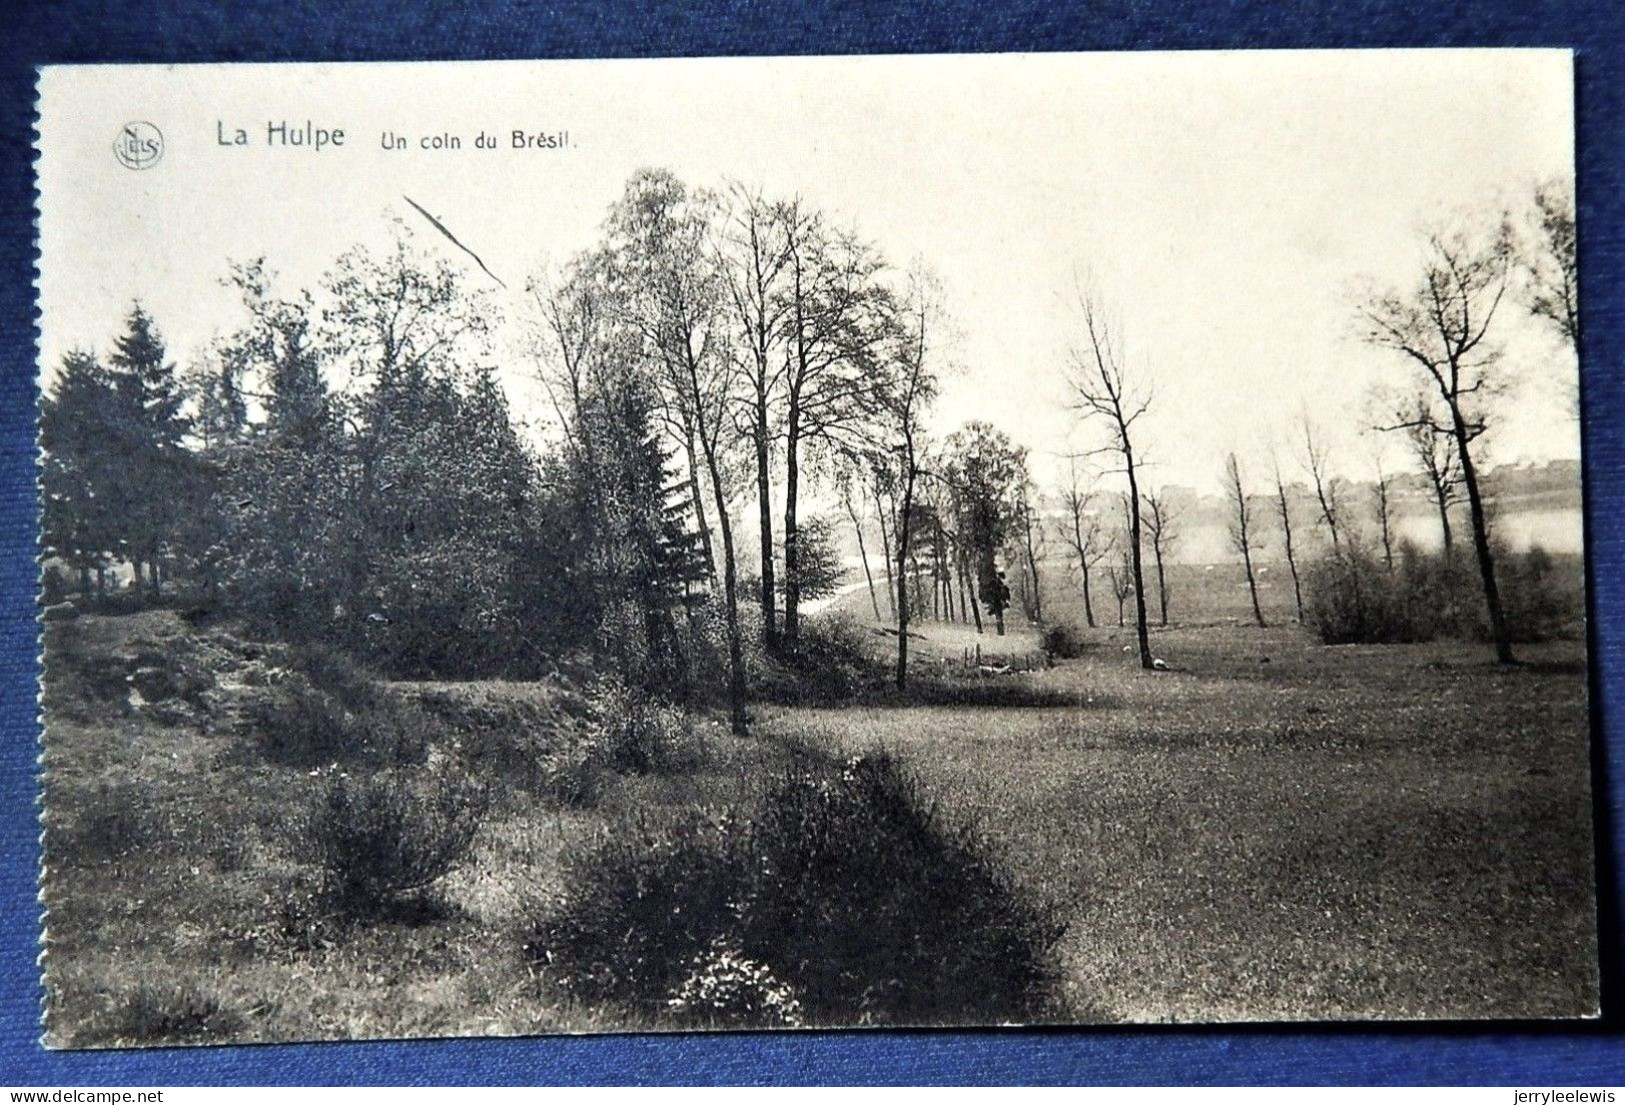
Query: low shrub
1064,641
845,899
384,836
829,662
724,986
324,710
1354,597
634,731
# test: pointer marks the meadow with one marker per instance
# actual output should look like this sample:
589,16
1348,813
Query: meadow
1273,829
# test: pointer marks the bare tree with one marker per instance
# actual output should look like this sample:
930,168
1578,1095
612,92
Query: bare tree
1384,492
834,325
913,387
1241,528
1105,392
1441,326
1434,446
1090,541
1159,523
754,252
1316,457
1283,511
1553,290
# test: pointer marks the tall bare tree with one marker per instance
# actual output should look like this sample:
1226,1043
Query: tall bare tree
755,254
1283,511
835,327
1241,528
1441,326
1316,461
1105,392
913,385
1090,541
1384,493
1433,445
1159,524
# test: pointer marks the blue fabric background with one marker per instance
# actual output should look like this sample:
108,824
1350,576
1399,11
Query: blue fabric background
33,33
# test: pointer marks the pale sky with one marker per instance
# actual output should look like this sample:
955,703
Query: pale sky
1227,205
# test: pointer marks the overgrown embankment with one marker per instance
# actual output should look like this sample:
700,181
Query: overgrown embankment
254,841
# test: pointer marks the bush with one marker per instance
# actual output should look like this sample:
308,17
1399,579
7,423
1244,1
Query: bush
1351,596
1541,600
325,710
845,899
1354,597
1064,641
830,662
634,731
385,836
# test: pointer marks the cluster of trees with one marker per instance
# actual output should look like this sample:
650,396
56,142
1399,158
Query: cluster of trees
1446,327
344,464
757,342
347,472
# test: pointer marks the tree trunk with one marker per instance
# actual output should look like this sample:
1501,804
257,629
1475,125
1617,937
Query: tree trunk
1141,629
1286,530
1252,586
1083,566
863,554
699,511
975,599
730,571
792,477
1481,543
1162,584
885,548
1032,568
1442,497
902,577
764,511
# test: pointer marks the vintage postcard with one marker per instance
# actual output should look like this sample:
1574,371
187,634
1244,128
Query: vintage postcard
605,546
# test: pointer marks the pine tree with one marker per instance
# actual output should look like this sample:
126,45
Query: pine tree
77,476
147,438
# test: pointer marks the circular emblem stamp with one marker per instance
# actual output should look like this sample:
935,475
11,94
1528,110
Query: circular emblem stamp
139,145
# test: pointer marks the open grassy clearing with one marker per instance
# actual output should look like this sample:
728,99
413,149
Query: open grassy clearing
1278,829
1361,831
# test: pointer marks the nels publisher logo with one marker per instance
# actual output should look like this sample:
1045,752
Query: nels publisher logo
138,145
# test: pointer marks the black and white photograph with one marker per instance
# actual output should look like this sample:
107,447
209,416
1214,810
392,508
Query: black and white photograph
811,543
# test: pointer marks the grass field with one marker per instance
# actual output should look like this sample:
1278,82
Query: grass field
1274,829
1361,831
